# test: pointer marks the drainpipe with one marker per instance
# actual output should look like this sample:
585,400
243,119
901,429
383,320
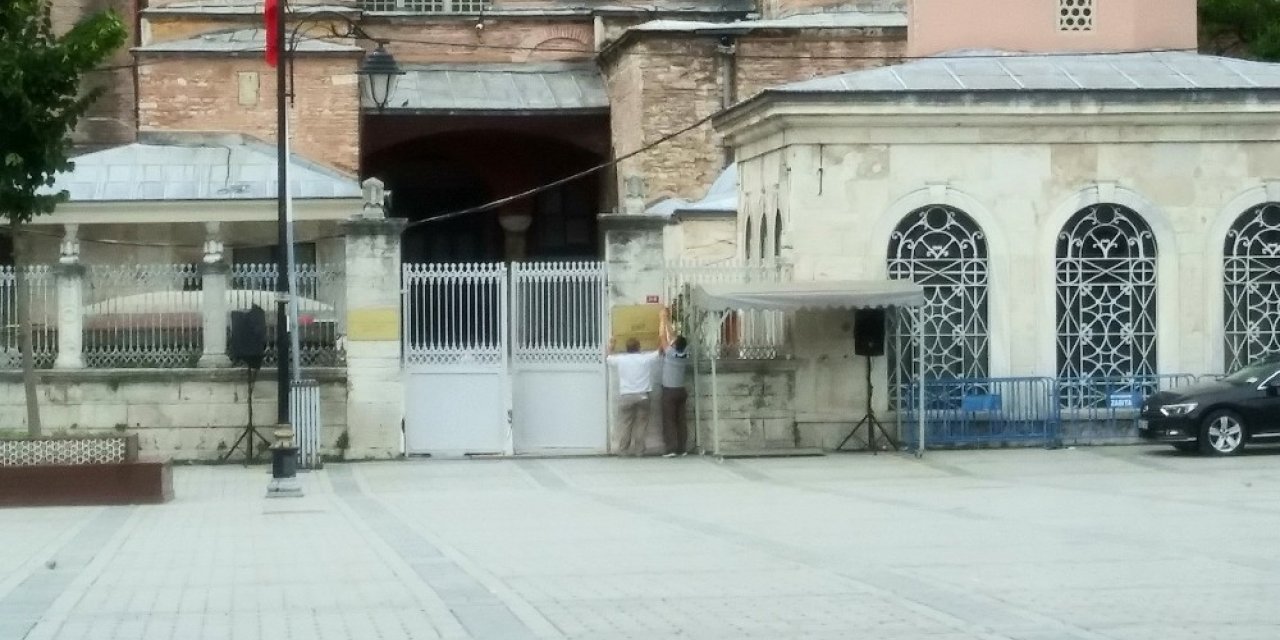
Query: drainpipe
726,51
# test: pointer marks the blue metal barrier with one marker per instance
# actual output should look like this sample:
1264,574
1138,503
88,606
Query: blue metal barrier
1099,410
990,411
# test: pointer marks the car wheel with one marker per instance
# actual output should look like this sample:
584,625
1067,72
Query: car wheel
1222,434
1187,447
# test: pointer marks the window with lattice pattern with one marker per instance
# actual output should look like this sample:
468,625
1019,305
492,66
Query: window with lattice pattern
1075,15
428,6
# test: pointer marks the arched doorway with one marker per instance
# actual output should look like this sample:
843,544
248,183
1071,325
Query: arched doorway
444,173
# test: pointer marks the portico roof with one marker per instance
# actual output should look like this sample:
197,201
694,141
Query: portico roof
508,88
196,166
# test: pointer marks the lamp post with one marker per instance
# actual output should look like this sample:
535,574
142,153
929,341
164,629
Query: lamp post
379,72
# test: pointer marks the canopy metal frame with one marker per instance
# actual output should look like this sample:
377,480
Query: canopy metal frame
711,305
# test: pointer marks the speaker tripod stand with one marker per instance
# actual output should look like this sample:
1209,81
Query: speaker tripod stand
250,431
870,422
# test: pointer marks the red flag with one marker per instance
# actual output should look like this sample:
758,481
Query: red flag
271,17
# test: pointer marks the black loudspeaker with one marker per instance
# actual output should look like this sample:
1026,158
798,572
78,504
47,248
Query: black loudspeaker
868,332
248,341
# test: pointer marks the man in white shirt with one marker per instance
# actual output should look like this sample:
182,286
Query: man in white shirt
635,382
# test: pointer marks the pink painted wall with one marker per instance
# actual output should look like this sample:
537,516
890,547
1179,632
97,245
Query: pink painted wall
1032,25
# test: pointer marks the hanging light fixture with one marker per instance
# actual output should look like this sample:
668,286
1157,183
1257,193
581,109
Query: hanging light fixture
380,72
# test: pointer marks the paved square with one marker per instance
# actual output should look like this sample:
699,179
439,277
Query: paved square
1104,543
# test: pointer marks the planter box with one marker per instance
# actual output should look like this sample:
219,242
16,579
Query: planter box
69,450
79,471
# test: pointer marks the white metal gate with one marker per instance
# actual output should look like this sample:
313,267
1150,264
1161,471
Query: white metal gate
505,360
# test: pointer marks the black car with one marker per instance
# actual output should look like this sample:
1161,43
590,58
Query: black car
1220,417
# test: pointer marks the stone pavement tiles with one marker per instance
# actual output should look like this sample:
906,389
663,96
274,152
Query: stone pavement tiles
1093,544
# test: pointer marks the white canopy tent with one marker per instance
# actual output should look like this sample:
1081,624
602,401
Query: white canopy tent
721,300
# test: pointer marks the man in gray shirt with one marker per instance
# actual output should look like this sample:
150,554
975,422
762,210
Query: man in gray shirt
675,429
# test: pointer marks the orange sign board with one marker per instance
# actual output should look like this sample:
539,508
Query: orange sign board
640,321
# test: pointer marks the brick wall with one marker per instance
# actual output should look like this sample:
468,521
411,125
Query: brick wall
770,59
112,119
453,40
784,8
661,83
204,94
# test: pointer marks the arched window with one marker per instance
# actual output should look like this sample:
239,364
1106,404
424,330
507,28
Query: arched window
777,234
1251,282
747,240
764,238
945,251
1106,301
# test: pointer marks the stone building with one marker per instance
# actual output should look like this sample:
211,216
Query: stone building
172,207
1078,213
500,96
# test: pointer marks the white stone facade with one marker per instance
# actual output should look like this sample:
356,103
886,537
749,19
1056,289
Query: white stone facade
1020,169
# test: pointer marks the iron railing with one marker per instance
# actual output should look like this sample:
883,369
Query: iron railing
321,309
744,334
1049,411
145,316
1101,409
42,299
981,411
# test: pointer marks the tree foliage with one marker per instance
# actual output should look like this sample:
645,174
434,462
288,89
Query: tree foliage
41,99
1248,28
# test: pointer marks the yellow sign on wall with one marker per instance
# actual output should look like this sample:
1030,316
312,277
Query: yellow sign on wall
371,325
640,321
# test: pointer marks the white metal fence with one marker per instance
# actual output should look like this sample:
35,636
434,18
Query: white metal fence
143,316
455,313
745,334
559,311
43,301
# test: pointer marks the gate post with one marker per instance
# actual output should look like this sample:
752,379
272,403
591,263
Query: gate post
634,257
375,391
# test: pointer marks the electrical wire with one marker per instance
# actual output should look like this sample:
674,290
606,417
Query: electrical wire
437,218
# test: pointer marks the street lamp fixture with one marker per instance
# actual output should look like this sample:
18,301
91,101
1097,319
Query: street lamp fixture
380,72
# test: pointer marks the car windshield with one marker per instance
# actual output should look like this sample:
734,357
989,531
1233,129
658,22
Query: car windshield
1252,374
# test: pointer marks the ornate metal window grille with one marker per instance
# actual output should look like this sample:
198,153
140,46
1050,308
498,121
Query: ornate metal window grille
945,251
427,6
1251,280
1106,300
1075,15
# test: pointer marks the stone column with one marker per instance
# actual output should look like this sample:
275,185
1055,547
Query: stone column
375,386
515,227
213,302
70,275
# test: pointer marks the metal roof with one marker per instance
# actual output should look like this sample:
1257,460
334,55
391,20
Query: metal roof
548,86
722,197
967,71
240,40
799,296
196,167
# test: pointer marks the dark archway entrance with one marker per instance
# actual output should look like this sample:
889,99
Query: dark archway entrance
444,172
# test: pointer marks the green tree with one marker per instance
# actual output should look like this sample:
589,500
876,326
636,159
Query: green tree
1246,28
40,102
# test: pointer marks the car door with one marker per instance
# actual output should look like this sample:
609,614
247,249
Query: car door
1261,407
